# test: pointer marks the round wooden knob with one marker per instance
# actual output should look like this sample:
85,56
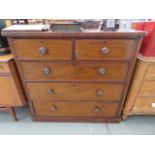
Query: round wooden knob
99,92
50,91
97,109
46,71
102,71
105,50
54,108
43,50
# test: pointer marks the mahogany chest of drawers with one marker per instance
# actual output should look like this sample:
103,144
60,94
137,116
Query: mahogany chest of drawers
141,96
75,76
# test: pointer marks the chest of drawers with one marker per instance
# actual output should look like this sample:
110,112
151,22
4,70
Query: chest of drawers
141,96
75,76
11,90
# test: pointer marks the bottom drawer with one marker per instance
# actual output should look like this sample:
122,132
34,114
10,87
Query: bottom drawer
144,105
77,108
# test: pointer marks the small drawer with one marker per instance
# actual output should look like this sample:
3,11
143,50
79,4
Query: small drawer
147,88
104,71
144,105
75,91
43,48
77,108
4,67
105,49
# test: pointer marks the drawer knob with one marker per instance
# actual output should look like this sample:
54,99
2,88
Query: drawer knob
97,109
99,92
46,71
1,67
43,50
50,91
102,71
153,105
105,50
54,108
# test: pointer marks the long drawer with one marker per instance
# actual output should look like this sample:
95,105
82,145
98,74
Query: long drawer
43,48
75,91
104,48
101,71
78,108
144,105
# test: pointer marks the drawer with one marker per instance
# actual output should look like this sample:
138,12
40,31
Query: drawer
150,74
147,88
144,105
105,49
4,67
43,48
105,71
74,91
78,108
9,92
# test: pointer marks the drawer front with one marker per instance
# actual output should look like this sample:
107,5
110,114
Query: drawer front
66,71
105,48
144,105
82,109
147,88
43,48
9,95
74,91
4,67
150,74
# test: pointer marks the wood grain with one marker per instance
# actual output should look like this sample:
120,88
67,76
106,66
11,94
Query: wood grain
75,91
142,91
147,89
4,68
82,109
74,76
115,71
91,49
144,105
9,92
29,48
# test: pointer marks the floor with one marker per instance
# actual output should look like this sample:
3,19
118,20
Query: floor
133,125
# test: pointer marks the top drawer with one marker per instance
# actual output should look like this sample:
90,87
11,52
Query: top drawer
104,48
43,48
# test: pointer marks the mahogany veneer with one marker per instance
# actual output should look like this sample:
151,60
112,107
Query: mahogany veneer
75,76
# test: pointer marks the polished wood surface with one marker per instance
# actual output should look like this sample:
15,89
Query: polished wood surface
114,71
9,95
82,109
150,72
147,89
74,91
98,68
6,58
4,67
11,90
30,48
49,34
141,96
144,105
92,49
